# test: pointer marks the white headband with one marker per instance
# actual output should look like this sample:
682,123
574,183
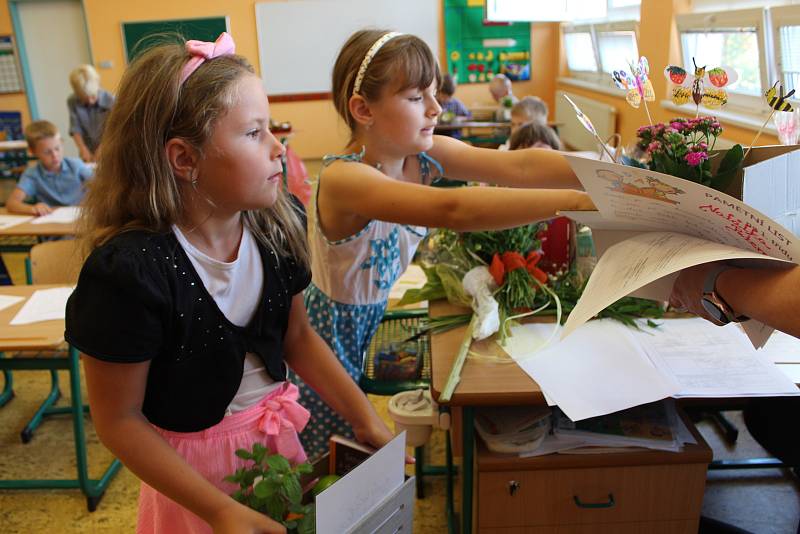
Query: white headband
368,58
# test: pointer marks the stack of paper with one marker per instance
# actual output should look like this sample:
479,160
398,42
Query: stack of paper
7,221
605,367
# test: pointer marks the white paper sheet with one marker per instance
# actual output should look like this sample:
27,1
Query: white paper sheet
597,370
791,370
781,348
62,215
345,503
643,198
7,221
9,300
705,360
43,305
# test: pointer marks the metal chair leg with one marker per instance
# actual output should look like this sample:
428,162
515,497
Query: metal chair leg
8,387
93,489
44,409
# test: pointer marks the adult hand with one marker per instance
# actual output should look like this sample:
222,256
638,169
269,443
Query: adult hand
40,208
688,289
584,202
86,155
239,519
377,434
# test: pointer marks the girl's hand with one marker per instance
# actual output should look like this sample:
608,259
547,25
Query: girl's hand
40,208
239,519
377,435
584,202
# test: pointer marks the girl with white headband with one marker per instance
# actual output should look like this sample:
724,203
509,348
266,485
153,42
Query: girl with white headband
374,202
189,307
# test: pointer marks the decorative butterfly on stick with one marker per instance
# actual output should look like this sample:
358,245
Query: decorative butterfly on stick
777,101
706,87
637,85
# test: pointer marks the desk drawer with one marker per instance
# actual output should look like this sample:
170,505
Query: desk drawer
593,495
664,527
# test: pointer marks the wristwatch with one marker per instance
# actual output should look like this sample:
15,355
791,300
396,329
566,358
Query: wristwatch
716,307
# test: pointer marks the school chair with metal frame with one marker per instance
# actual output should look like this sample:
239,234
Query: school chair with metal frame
59,262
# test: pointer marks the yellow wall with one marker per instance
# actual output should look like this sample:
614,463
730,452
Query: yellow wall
658,41
318,129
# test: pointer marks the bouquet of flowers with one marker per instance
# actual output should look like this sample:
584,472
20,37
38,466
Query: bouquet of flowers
683,148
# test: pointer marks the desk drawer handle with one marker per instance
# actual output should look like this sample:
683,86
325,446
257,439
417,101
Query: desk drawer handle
513,486
609,504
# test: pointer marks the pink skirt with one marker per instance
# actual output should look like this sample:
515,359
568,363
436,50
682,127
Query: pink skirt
274,422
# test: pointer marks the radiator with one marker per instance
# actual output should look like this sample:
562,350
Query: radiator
573,134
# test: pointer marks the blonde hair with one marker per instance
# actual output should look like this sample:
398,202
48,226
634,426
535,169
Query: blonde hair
38,130
134,187
532,107
85,82
402,63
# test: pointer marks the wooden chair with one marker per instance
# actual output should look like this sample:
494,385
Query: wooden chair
58,262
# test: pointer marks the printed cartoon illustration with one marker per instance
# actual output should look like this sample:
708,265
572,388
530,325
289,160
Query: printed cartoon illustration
646,187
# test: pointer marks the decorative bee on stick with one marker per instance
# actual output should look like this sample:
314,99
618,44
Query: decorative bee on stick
776,100
712,96
638,85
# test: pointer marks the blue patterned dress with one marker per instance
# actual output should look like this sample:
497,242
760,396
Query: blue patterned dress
349,291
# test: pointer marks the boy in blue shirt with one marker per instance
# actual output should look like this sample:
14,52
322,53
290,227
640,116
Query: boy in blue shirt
54,180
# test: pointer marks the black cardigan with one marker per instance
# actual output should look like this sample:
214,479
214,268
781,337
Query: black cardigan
139,298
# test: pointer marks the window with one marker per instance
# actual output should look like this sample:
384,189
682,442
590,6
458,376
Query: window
786,27
594,51
732,39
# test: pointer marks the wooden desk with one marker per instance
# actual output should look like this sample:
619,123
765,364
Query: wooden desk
17,144
47,336
37,230
486,384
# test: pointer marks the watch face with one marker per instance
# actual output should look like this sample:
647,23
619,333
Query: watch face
714,311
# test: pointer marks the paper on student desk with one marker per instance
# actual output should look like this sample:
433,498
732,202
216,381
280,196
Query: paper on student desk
43,305
7,221
525,341
9,300
705,360
345,503
648,200
62,215
782,348
597,370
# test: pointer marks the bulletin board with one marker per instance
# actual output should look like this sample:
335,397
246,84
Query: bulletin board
478,50
139,36
298,40
10,78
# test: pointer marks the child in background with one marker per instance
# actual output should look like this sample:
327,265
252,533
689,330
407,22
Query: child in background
502,93
189,307
535,135
54,180
452,107
529,109
374,201
88,107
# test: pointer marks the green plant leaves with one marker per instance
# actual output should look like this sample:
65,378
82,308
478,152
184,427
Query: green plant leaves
728,168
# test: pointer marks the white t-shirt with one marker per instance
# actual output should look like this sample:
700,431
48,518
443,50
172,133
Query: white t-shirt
236,289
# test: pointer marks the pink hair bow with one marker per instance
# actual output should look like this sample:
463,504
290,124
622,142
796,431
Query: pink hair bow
203,50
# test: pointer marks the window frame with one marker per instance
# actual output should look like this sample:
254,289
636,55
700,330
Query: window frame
788,16
599,79
721,20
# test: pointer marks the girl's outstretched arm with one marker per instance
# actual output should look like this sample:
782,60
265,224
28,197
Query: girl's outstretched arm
351,194
533,167
311,358
116,392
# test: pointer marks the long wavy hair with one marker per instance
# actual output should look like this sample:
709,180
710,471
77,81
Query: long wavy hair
134,187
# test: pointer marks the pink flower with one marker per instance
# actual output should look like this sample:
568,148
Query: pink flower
654,146
676,125
696,158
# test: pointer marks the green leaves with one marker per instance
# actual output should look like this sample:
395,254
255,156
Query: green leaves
271,485
728,167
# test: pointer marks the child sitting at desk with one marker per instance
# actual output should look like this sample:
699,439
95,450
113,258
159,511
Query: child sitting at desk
502,93
534,135
452,107
54,180
88,107
529,109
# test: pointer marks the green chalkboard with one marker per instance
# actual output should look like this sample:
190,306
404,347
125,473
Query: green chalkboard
139,36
